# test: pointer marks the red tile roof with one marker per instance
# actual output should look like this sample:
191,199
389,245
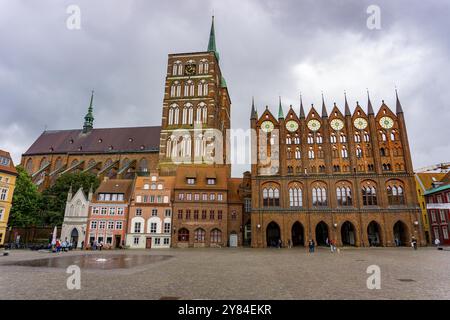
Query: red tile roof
10,167
107,140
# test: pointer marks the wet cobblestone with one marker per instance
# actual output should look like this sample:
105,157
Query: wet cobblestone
238,274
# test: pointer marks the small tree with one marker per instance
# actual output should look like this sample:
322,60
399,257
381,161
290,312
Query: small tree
54,198
26,201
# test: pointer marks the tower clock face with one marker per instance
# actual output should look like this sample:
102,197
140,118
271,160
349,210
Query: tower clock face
313,125
267,126
360,123
386,122
337,124
292,125
189,69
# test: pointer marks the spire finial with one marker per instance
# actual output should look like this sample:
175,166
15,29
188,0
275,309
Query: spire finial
324,109
253,115
89,117
280,110
398,108
369,104
302,111
212,40
347,108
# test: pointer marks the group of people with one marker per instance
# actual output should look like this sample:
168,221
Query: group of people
96,245
61,246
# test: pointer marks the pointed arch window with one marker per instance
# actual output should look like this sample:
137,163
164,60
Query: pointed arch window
366,136
201,113
203,67
295,197
174,112
177,69
344,196
319,196
333,138
344,152
297,140
297,153
288,139
357,137
319,138
369,195
395,195
175,89
311,154
203,88
383,137
393,135
342,138
271,197
359,152
310,139
189,88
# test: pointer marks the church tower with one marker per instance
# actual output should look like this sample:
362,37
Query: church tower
196,110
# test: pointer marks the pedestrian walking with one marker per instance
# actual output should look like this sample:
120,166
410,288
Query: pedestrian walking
437,243
414,243
311,245
289,243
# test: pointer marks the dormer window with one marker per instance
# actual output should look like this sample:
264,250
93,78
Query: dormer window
190,181
130,139
211,181
111,147
71,141
100,140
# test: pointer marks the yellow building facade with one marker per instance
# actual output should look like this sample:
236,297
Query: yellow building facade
424,181
8,176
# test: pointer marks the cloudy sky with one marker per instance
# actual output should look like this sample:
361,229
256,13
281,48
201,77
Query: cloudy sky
268,49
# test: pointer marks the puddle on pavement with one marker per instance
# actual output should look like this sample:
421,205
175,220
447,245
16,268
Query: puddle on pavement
106,262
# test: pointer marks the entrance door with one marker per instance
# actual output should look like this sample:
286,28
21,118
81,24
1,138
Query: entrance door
348,234
322,234
297,234
117,242
148,243
401,237
273,234
74,237
233,240
374,234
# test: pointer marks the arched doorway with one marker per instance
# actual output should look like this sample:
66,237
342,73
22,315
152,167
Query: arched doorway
374,234
401,237
74,237
248,233
273,234
348,234
297,233
321,234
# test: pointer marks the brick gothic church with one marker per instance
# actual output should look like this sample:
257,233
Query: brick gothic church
346,177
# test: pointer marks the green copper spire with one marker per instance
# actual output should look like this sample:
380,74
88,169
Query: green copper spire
89,117
212,40
280,111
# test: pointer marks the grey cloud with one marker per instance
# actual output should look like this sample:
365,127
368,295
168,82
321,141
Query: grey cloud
47,71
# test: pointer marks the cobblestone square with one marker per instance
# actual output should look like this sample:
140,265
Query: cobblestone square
231,274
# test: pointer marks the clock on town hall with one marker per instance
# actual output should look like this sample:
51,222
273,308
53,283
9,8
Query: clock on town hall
386,122
189,69
360,123
337,124
267,126
313,125
292,125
